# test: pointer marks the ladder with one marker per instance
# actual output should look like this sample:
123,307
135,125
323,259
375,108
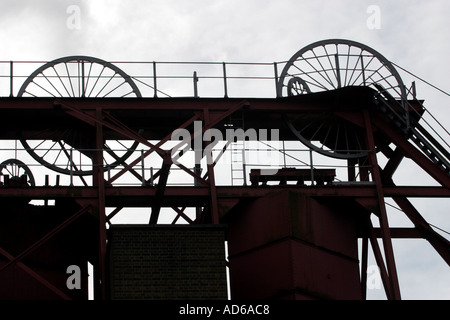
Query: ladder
237,150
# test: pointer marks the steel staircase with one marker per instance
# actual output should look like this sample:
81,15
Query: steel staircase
408,123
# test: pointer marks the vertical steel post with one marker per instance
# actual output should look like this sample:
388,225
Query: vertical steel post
71,166
312,166
384,225
83,89
338,71
362,70
151,176
364,258
155,88
11,77
211,177
225,79
195,85
99,183
275,69
243,165
351,169
142,168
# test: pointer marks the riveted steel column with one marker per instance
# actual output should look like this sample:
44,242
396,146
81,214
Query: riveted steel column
99,183
384,226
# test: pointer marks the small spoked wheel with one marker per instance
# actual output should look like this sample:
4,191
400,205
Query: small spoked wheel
18,173
69,151
330,65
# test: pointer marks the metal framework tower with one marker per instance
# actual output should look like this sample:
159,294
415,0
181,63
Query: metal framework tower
95,142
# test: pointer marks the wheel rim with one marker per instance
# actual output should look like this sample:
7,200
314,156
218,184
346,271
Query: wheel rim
329,65
77,77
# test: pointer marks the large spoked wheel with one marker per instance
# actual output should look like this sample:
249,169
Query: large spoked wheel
69,151
331,65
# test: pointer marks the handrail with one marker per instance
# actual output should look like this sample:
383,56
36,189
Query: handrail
157,78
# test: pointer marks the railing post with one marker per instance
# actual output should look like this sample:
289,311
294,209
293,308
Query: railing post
155,88
362,69
11,76
312,166
243,165
275,69
83,89
195,85
151,176
225,79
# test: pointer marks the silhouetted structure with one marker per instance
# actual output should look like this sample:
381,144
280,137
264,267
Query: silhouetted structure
102,147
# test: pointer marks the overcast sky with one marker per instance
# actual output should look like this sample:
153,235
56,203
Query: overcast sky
414,34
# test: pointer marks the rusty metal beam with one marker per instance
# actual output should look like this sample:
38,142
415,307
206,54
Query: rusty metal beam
348,190
394,161
439,243
379,259
113,213
180,213
219,104
112,124
401,233
148,152
160,188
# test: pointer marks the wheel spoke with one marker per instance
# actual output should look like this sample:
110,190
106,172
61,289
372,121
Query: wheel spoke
42,88
106,84
59,77
117,87
46,78
358,61
320,63
329,61
96,81
319,73
88,78
70,79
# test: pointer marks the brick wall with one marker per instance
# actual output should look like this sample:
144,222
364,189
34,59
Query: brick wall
158,262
